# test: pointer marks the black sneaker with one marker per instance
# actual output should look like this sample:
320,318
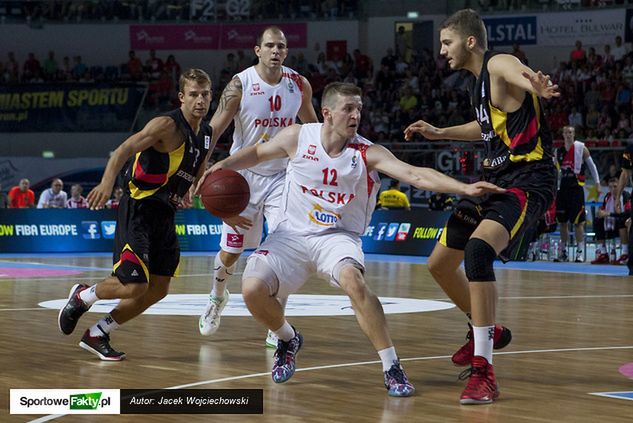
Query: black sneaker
285,358
100,346
75,307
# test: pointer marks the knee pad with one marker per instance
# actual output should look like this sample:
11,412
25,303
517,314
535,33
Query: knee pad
478,259
258,269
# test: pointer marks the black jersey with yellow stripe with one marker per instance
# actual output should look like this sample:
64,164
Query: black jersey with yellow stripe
514,139
168,176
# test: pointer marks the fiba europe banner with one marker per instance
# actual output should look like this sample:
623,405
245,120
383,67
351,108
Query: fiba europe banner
81,230
209,37
69,107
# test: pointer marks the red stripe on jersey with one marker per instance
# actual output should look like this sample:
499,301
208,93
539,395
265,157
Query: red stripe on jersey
363,153
528,134
150,178
296,78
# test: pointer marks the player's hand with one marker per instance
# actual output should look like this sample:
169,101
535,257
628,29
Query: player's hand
187,200
98,196
423,128
480,188
216,166
542,84
237,222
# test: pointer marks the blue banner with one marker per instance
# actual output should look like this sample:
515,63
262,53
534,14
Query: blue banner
71,107
404,232
507,31
80,230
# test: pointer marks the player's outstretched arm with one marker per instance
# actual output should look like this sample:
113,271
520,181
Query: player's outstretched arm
228,106
156,129
382,160
510,69
306,113
470,131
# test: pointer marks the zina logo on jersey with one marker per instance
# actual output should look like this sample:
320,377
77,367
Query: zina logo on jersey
323,217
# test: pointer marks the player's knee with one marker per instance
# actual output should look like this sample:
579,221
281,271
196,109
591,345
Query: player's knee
259,280
350,278
478,259
229,259
435,266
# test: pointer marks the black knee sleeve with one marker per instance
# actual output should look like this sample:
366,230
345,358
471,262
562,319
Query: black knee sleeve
478,258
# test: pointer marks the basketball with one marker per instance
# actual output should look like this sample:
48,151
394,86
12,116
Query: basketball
225,193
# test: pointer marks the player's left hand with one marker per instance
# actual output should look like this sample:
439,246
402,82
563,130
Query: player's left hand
216,166
542,84
480,188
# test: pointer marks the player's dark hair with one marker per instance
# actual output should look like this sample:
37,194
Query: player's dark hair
467,23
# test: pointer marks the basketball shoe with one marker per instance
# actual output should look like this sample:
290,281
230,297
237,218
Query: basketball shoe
210,320
396,381
75,307
464,355
100,346
285,358
271,339
601,259
482,386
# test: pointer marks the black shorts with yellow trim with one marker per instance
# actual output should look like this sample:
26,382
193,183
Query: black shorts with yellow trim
570,205
145,241
528,196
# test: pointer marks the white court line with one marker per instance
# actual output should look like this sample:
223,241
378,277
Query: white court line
553,297
359,363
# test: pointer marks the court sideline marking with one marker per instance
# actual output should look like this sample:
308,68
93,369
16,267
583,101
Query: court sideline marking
359,363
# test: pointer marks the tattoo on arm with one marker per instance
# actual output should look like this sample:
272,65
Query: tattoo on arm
233,90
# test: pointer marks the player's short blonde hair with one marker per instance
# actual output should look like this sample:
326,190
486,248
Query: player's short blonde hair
328,99
196,75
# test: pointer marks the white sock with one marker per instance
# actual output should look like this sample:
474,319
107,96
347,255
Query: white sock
104,326
387,356
581,246
601,249
484,339
625,249
220,273
285,332
89,296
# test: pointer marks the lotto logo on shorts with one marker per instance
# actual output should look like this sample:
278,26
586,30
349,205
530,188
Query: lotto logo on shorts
235,240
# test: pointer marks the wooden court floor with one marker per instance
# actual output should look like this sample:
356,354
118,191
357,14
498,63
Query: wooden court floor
573,333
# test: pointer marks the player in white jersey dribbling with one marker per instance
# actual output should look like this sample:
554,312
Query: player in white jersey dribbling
328,198
261,100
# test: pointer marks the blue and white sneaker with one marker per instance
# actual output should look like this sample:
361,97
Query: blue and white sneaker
397,383
285,358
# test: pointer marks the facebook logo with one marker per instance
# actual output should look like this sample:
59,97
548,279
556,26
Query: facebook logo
380,232
90,230
108,227
392,230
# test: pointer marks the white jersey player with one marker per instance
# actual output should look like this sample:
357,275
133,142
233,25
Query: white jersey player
261,100
328,197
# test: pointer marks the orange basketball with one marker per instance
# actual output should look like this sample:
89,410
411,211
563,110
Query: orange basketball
225,193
